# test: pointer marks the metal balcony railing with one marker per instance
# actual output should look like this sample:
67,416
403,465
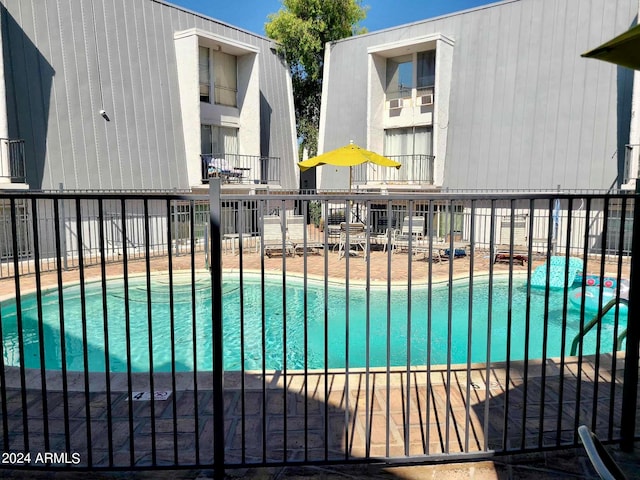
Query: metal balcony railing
12,159
243,169
416,169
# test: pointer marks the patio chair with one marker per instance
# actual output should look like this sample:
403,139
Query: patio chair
220,167
355,234
271,237
412,231
604,465
296,226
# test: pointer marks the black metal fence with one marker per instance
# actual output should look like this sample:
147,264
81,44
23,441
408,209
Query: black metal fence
442,332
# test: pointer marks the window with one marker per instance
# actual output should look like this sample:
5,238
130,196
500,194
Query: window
225,79
408,141
411,147
204,75
426,69
218,140
399,77
400,74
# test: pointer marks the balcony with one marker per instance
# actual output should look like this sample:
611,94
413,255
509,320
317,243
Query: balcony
240,169
416,169
12,160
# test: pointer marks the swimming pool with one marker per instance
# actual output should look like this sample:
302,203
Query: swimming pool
428,338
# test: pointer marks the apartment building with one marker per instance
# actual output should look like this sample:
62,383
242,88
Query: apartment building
115,94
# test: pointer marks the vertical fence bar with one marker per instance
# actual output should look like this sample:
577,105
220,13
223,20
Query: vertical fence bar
63,348
616,324
347,292
448,410
325,317
487,393
285,248
216,326
367,370
83,310
563,347
630,387
105,328
507,389
61,224
3,393
388,352
527,329
585,256
263,327
545,328
41,338
172,323
16,270
127,318
596,368
194,329
428,334
407,419
467,416
147,256
305,212
243,402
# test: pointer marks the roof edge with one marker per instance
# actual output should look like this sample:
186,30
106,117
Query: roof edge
439,17
206,17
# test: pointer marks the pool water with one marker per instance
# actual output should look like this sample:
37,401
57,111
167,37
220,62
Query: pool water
419,341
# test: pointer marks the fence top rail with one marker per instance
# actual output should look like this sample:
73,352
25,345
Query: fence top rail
345,195
418,196
102,195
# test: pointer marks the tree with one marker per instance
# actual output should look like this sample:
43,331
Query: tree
302,28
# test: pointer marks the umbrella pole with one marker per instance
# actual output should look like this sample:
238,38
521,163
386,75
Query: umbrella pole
350,201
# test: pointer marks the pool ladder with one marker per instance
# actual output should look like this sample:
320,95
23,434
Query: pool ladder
596,319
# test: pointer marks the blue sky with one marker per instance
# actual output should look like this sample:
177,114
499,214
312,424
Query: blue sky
252,14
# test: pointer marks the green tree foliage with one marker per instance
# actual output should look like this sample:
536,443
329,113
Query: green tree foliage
302,28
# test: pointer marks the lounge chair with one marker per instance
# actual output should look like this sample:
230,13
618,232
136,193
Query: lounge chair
604,465
296,227
355,235
412,232
505,254
272,237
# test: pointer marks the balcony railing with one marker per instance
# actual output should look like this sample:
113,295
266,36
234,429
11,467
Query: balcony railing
416,169
12,159
243,169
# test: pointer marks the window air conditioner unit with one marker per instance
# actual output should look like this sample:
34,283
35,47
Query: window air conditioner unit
395,104
426,99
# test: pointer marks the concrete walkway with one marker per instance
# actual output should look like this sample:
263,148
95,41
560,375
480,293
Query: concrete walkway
380,415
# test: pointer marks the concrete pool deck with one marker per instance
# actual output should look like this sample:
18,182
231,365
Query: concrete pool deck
425,435
402,271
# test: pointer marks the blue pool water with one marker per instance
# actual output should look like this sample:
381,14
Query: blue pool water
388,319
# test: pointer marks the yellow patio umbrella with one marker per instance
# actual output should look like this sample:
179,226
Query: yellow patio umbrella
348,156
622,50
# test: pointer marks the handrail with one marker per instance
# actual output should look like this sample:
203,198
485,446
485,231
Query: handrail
598,316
